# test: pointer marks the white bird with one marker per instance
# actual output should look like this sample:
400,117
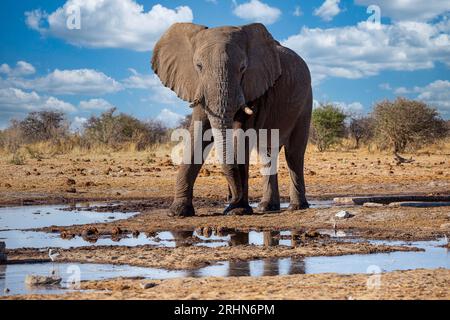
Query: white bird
53,255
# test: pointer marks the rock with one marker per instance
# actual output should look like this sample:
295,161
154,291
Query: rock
343,200
35,281
6,291
116,231
147,285
372,204
71,190
312,234
70,182
343,214
67,235
89,231
135,233
445,226
207,232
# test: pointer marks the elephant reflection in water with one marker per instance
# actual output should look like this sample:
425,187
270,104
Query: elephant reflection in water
181,238
2,278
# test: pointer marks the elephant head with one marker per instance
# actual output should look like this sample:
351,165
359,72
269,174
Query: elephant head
221,69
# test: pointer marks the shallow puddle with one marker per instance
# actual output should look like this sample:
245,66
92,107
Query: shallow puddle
16,239
317,204
30,217
434,256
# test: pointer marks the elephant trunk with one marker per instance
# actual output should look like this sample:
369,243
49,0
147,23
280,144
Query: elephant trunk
223,142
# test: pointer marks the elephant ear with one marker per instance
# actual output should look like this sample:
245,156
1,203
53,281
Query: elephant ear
172,60
264,65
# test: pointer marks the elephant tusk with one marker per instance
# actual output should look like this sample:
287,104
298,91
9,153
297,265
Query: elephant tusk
248,110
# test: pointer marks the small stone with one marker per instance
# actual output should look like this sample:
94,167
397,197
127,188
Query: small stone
135,233
35,281
116,231
372,204
343,214
70,182
71,190
445,226
147,285
343,200
207,232
89,231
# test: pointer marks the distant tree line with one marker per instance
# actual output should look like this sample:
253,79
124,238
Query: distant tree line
397,125
110,129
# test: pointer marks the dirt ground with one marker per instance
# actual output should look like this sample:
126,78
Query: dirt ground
417,284
183,258
147,175
145,180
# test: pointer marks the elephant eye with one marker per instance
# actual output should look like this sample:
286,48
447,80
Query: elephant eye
243,67
199,66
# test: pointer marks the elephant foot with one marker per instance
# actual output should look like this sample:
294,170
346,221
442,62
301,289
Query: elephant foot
238,209
265,207
181,209
297,206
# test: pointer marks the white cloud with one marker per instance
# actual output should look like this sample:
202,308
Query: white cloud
353,109
109,24
77,123
22,68
140,81
401,91
362,50
257,11
70,82
436,94
385,86
95,104
297,11
328,10
158,92
412,10
16,100
169,118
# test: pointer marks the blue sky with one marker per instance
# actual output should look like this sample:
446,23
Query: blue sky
354,62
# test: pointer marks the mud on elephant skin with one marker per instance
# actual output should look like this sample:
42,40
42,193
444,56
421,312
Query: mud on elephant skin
237,78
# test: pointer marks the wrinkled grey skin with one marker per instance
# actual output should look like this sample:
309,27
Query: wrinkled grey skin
220,70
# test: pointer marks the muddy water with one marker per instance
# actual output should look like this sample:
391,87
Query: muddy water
16,239
434,256
30,217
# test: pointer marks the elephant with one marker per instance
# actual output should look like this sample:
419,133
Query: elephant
238,78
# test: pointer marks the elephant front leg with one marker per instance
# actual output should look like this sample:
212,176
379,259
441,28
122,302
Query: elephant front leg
184,188
187,173
241,206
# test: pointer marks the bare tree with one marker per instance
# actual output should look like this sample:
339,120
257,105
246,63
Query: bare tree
404,123
361,129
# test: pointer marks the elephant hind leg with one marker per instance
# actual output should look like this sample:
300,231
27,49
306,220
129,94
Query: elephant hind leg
295,156
271,195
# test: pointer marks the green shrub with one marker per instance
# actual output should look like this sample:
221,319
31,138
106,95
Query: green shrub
328,126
